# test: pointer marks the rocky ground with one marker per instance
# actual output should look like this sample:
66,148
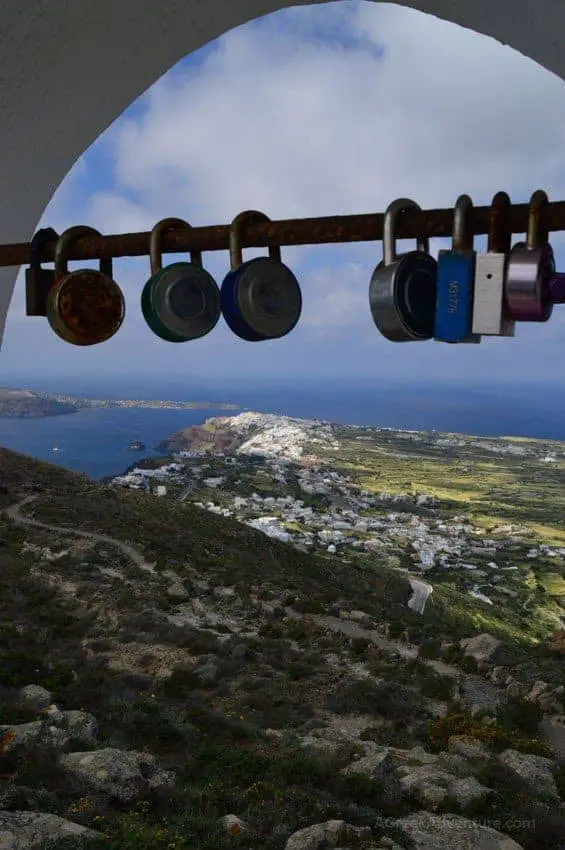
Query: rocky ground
173,679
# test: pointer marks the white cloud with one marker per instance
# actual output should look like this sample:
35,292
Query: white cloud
330,109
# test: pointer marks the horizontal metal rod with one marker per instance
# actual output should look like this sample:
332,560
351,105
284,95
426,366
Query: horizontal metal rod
299,231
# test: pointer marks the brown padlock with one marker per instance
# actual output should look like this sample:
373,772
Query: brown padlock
84,307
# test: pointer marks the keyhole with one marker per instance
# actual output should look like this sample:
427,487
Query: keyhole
489,277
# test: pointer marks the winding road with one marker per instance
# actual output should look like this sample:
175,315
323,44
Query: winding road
13,512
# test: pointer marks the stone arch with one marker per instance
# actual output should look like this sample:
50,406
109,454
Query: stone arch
68,70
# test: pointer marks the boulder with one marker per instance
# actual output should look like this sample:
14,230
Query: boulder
121,775
536,771
28,830
432,786
478,695
438,832
379,765
232,824
481,647
34,698
331,834
468,747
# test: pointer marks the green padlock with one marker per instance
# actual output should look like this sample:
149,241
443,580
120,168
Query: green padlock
180,302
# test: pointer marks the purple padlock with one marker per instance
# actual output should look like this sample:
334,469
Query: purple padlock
531,268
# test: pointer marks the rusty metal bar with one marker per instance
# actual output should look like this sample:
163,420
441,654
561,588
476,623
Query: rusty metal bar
301,231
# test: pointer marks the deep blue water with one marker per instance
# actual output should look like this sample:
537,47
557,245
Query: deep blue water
96,441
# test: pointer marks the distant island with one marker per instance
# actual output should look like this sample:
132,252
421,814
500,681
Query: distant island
27,404
23,404
137,446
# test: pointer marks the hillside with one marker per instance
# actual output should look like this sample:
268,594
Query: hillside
195,683
24,404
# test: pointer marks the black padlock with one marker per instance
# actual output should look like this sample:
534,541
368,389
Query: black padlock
39,281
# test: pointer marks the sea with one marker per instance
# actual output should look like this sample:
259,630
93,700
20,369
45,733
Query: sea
96,441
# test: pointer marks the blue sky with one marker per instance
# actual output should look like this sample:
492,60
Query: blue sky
330,109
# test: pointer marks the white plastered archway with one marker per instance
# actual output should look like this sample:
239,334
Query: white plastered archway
68,69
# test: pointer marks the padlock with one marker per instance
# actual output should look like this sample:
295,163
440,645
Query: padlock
84,307
260,298
180,302
490,314
455,279
402,292
39,281
531,266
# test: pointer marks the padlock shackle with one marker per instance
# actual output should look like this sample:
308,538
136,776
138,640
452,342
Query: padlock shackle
389,242
65,239
243,218
38,240
156,238
499,230
536,235
462,239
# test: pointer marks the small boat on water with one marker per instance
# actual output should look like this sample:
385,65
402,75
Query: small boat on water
137,446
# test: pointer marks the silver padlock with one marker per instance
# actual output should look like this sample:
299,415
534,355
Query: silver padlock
490,313
531,267
402,292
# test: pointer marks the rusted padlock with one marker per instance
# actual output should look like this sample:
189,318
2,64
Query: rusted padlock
84,307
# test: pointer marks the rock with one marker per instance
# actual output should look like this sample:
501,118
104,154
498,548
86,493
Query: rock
121,775
481,647
273,734
549,704
27,830
514,690
467,791
388,843
379,765
207,673
478,695
17,798
468,747
232,824
82,727
498,675
177,590
438,832
431,787
224,592
536,771
416,755
22,734
361,617
332,833
340,752
34,698
537,690
454,764
79,726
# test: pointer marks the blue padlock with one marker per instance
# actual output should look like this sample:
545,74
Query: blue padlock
455,281
261,298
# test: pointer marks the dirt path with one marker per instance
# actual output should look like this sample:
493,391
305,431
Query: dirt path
551,729
13,512
406,650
